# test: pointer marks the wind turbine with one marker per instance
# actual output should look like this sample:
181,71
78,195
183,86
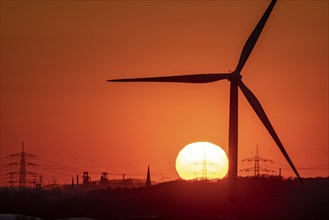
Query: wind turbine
235,81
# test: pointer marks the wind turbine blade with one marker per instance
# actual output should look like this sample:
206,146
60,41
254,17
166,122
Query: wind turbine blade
249,45
196,78
253,101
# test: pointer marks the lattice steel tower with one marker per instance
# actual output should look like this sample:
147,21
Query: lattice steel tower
22,171
22,163
204,166
257,169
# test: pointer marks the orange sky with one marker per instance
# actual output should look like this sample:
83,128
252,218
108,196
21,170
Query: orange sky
57,56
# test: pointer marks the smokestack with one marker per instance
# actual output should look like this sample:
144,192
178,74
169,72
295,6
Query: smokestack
77,180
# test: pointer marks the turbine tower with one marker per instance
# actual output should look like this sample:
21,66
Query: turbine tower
235,83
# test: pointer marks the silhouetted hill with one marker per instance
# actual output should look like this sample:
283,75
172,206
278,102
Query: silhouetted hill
259,198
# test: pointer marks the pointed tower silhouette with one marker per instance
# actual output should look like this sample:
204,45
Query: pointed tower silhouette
148,178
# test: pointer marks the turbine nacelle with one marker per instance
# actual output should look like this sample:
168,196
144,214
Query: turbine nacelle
235,76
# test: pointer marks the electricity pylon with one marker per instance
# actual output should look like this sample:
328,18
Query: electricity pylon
23,163
256,168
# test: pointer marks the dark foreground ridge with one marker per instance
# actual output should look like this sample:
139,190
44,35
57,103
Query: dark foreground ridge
259,198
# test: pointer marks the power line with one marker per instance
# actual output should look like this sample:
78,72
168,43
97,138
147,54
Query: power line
302,150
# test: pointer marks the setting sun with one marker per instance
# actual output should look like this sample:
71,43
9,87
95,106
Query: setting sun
202,160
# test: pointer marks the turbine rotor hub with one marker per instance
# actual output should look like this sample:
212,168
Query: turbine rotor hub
235,76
